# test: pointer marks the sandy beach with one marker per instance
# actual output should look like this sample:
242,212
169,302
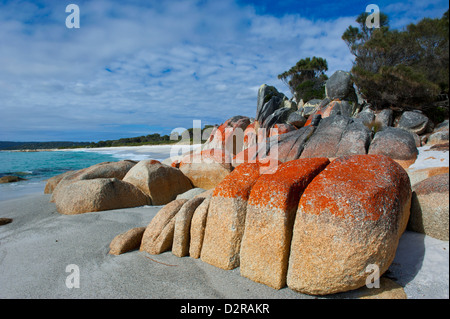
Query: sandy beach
137,153
38,245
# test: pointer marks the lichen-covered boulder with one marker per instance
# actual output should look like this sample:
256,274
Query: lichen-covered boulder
349,217
226,217
229,135
325,140
270,217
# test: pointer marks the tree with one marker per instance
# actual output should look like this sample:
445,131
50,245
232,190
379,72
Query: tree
400,68
306,79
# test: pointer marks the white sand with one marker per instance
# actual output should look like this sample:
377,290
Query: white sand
138,153
37,246
429,158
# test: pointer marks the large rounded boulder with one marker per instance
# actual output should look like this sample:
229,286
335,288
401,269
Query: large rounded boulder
349,222
162,183
97,195
396,143
101,170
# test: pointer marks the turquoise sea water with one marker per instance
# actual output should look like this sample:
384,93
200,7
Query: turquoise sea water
37,167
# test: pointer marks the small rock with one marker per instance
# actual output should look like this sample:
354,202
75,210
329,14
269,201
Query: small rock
385,118
127,241
438,137
414,122
181,235
10,179
296,119
4,221
312,105
158,236
269,100
366,116
198,225
340,86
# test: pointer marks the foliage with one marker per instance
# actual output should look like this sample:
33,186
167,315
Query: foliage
306,79
403,69
152,139
39,145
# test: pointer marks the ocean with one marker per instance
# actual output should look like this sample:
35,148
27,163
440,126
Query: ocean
37,167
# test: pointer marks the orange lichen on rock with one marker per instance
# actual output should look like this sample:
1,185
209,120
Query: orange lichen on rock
270,216
226,217
354,187
281,189
239,182
350,216
250,135
281,128
246,156
229,135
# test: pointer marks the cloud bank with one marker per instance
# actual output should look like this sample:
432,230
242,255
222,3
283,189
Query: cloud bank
134,68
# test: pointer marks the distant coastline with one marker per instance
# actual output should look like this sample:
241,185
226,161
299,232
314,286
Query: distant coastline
33,150
148,140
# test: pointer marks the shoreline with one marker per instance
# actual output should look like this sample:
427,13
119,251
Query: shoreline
137,153
40,243
99,148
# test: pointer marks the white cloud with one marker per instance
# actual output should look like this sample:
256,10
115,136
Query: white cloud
161,64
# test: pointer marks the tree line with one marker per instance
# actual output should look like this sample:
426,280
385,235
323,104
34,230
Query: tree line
401,69
151,139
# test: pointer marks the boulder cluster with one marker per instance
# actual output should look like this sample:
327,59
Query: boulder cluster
314,196
114,185
312,225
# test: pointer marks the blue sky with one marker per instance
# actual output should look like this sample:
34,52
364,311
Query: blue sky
139,67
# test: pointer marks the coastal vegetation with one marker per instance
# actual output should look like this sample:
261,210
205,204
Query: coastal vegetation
306,79
401,69
6,145
151,139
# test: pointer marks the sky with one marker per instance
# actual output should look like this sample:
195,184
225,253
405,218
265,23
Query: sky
134,68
